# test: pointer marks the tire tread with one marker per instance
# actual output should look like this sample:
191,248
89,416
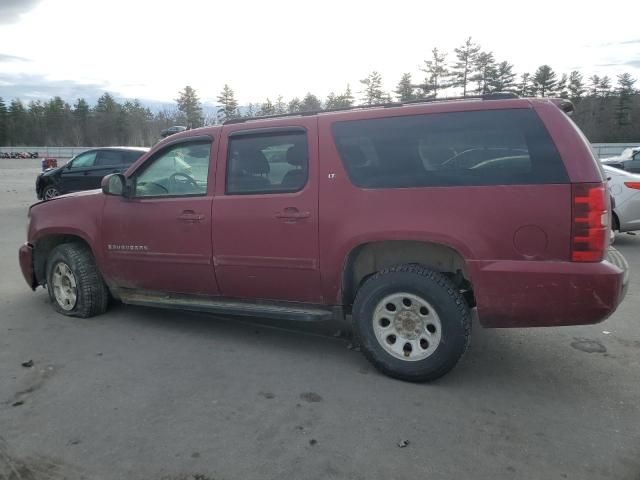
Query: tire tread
441,281
93,294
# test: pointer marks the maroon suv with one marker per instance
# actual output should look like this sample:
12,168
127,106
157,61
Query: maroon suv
404,217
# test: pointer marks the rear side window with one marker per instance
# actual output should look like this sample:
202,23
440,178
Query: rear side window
106,158
131,156
491,147
267,163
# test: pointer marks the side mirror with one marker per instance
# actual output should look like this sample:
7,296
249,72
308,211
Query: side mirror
114,184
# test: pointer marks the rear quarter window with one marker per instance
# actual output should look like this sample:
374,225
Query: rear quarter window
491,147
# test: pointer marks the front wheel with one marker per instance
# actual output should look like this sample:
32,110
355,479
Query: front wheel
74,283
50,192
411,322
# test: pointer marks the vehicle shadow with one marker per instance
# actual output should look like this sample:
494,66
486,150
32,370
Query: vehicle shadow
529,360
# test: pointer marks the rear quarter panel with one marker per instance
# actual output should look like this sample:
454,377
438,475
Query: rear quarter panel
574,148
480,222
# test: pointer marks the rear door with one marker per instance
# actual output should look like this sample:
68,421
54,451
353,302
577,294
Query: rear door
107,161
265,231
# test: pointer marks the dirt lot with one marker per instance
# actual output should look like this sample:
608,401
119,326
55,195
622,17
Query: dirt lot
149,394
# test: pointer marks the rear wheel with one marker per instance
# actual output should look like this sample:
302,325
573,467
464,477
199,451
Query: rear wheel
50,192
74,283
411,322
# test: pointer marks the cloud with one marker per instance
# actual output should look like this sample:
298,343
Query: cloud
630,63
629,42
28,87
12,58
38,87
10,10
623,42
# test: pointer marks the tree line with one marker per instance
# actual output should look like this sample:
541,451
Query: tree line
607,110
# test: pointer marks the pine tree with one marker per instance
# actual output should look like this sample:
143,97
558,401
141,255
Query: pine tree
462,70
346,98
605,86
373,92
576,86
485,67
544,81
594,88
525,87
561,88
310,103
505,78
250,110
436,71
17,124
331,101
625,93
267,108
189,105
280,106
294,105
405,90
4,120
228,108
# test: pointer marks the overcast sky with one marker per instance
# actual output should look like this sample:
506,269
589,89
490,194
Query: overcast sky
152,49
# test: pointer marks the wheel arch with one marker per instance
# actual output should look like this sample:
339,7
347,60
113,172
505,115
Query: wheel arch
44,245
616,220
365,259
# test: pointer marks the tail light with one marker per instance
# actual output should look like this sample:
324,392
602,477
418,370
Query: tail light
635,185
590,229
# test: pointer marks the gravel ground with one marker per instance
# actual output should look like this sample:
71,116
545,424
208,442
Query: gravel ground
141,393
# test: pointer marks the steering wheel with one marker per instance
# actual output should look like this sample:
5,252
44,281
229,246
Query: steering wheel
189,179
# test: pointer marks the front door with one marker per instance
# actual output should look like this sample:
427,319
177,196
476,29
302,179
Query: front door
158,237
265,235
75,175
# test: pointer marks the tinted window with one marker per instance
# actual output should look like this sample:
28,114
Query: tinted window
105,158
273,163
178,170
493,147
131,156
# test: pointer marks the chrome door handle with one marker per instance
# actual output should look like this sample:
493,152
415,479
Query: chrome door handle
190,216
292,214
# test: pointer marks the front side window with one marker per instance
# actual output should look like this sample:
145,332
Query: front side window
178,170
267,163
84,160
492,147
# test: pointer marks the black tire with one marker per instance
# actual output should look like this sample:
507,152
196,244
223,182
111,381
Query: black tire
92,294
50,192
615,222
444,298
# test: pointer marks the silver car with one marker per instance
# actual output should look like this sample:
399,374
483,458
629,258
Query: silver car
628,160
625,189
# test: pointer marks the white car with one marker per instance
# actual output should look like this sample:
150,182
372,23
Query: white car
625,189
628,160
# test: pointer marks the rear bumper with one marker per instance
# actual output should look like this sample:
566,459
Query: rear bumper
543,294
25,256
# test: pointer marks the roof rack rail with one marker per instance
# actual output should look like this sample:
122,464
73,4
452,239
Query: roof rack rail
487,96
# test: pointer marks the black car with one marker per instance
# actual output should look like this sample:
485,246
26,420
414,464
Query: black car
171,130
85,171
